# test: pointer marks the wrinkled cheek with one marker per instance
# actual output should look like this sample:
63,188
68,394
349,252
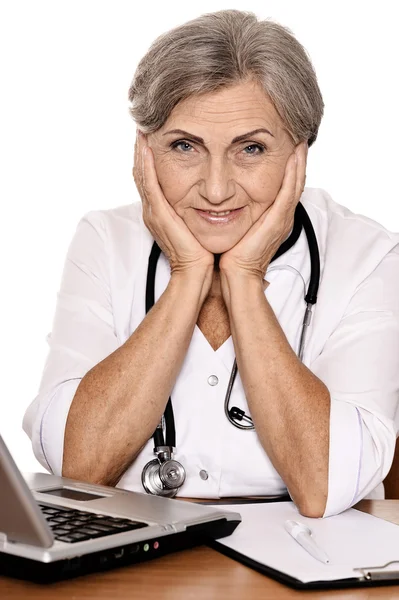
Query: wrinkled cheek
267,188
174,182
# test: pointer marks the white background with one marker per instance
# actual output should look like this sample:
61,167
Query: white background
66,139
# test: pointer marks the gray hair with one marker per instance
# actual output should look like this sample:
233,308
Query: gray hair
224,48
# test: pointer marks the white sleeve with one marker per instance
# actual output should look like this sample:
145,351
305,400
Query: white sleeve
82,335
360,367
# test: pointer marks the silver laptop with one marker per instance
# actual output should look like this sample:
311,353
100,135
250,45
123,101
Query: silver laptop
53,528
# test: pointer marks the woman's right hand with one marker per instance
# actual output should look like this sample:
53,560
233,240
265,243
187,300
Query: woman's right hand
170,232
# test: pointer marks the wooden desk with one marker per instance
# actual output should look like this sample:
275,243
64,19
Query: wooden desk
197,574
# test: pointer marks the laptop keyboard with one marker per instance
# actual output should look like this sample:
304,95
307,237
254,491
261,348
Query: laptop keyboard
70,525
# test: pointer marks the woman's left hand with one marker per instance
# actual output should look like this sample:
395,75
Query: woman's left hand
253,253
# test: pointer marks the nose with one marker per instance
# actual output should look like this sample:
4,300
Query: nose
217,185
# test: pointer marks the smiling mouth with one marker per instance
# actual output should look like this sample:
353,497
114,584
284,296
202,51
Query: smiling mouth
219,213
221,217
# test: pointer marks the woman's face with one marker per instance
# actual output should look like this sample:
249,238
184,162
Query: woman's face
223,151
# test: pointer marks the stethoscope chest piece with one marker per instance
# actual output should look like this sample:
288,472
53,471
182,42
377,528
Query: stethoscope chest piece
163,476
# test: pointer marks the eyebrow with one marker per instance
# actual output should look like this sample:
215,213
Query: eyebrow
239,138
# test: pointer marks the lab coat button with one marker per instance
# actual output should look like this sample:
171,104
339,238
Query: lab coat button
213,380
203,474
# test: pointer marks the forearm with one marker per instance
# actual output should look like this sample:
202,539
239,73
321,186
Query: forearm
120,401
289,405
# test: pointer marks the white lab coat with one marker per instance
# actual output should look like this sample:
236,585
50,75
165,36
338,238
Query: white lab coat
352,346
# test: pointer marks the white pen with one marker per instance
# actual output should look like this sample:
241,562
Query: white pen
303,535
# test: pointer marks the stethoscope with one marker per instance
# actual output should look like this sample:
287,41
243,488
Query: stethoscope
164,476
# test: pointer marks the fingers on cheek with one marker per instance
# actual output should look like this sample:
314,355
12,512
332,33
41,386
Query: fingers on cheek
290,179
137,172
301,176
144,176
297,179
147,172
290,170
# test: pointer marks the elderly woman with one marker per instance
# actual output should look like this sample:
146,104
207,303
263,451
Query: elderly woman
184,356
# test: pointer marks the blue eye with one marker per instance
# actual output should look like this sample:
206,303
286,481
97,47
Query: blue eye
258,146
186,145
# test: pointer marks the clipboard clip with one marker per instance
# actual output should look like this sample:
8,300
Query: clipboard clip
379,573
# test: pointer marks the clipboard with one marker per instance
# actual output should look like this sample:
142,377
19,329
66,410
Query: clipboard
370,576
381,574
